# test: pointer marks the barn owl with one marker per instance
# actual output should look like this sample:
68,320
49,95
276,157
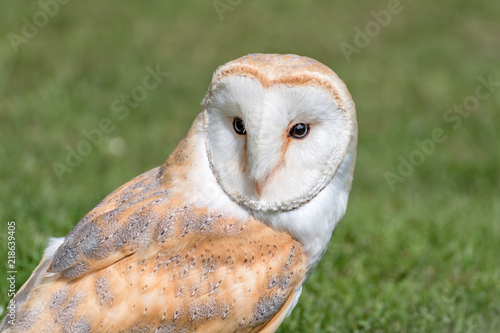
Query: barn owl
222,236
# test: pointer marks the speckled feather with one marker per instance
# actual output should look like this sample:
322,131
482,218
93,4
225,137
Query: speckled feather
142,260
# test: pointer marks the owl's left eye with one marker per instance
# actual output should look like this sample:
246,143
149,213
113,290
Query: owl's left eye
299,131
239,126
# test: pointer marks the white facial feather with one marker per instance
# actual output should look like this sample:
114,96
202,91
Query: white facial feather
289,171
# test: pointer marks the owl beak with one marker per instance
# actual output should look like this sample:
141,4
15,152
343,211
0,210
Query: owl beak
262,156
259,185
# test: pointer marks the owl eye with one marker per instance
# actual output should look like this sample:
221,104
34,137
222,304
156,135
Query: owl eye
239,126
299,131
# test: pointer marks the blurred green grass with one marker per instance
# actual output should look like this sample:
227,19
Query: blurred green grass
421,258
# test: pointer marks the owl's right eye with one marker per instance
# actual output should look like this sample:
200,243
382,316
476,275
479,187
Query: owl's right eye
239,126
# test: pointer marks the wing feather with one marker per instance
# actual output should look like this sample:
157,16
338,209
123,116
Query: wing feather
143,260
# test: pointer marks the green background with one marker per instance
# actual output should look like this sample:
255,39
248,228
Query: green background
420,256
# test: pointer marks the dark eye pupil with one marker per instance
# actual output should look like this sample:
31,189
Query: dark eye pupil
299,131
239,126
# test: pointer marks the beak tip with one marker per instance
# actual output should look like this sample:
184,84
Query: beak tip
258,188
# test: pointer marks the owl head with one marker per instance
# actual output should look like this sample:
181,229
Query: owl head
277,128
